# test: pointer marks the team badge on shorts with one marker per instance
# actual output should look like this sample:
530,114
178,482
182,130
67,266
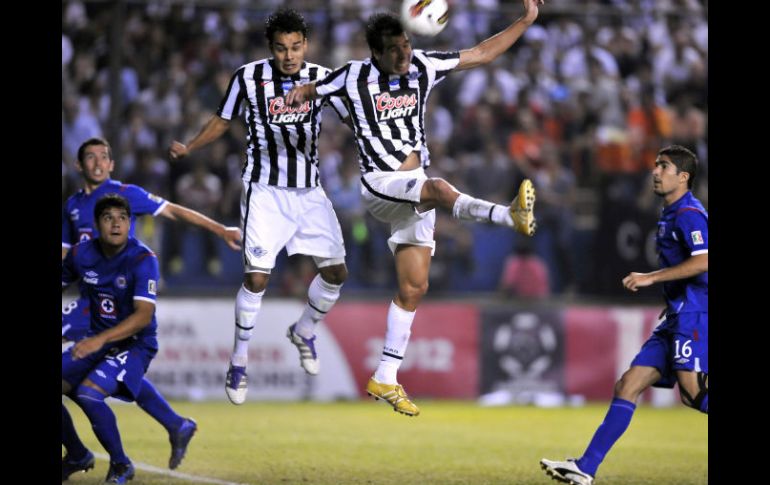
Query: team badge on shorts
257,251
410,185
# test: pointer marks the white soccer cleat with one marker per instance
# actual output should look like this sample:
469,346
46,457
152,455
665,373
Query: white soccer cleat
566,472
308,358
235,384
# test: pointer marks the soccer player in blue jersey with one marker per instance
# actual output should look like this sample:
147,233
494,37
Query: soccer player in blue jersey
95,164
120,277
677,351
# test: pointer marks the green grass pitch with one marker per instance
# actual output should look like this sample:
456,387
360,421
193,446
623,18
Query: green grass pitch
365,442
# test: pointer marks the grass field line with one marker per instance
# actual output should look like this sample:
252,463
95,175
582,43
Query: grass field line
171,473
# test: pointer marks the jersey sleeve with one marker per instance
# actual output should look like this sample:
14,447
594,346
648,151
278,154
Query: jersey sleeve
692,228
442,62
334,83
69,272
143,202
66,229
146,276
231,102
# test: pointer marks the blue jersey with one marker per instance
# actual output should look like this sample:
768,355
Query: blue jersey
682,233
78,216
112,284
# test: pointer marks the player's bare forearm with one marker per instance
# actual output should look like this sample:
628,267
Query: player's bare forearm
64,252
490,49
231,235
213,129
692,266
131,325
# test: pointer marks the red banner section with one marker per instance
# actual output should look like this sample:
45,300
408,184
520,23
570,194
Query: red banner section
442,357
600,343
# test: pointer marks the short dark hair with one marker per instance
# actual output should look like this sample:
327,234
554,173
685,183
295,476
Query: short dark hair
109,201
380,25
684,159
285,20
93,141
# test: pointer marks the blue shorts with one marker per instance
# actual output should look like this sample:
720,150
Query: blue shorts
119,370
76,319
680,342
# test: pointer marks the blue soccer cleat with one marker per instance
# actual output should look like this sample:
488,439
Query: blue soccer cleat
120,473
179,441
70,466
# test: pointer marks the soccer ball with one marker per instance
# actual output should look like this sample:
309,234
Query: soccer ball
425,17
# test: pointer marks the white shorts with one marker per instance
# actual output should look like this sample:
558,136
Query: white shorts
300,220
392,197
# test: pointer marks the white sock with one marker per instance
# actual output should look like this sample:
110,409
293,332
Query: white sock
321,297
247,305
470,209
396,340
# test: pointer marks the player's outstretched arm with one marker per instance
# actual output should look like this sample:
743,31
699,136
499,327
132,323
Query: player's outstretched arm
490,49
231,234
142,316
213,129
688,268
300,94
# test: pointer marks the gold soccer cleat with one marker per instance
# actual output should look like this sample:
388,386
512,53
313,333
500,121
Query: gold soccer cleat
394,394
523,209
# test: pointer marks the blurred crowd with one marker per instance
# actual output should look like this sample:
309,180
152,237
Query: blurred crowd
580,105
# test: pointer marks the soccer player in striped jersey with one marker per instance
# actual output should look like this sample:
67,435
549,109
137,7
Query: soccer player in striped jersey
95,164
386,95
283,204
677,351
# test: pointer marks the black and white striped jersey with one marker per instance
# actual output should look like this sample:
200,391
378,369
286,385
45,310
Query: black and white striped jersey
388,111
282,141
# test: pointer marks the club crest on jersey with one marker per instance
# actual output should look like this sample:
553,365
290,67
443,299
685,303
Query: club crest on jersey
85,233
281,114
697,238
390,105
120,282
287,85
107,308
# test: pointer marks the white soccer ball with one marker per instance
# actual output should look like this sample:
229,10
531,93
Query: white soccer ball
425,17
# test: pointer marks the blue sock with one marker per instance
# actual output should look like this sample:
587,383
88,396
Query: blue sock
76,450
615,424
704,405
102,421
156,406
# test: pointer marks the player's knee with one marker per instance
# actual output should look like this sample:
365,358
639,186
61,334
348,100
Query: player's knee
256,281
626,388
335,275
436,191
412,293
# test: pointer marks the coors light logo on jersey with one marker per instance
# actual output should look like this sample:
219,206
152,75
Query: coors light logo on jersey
279,113
395,104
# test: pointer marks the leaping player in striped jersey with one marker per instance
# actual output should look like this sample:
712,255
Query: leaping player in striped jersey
282,204
387,98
